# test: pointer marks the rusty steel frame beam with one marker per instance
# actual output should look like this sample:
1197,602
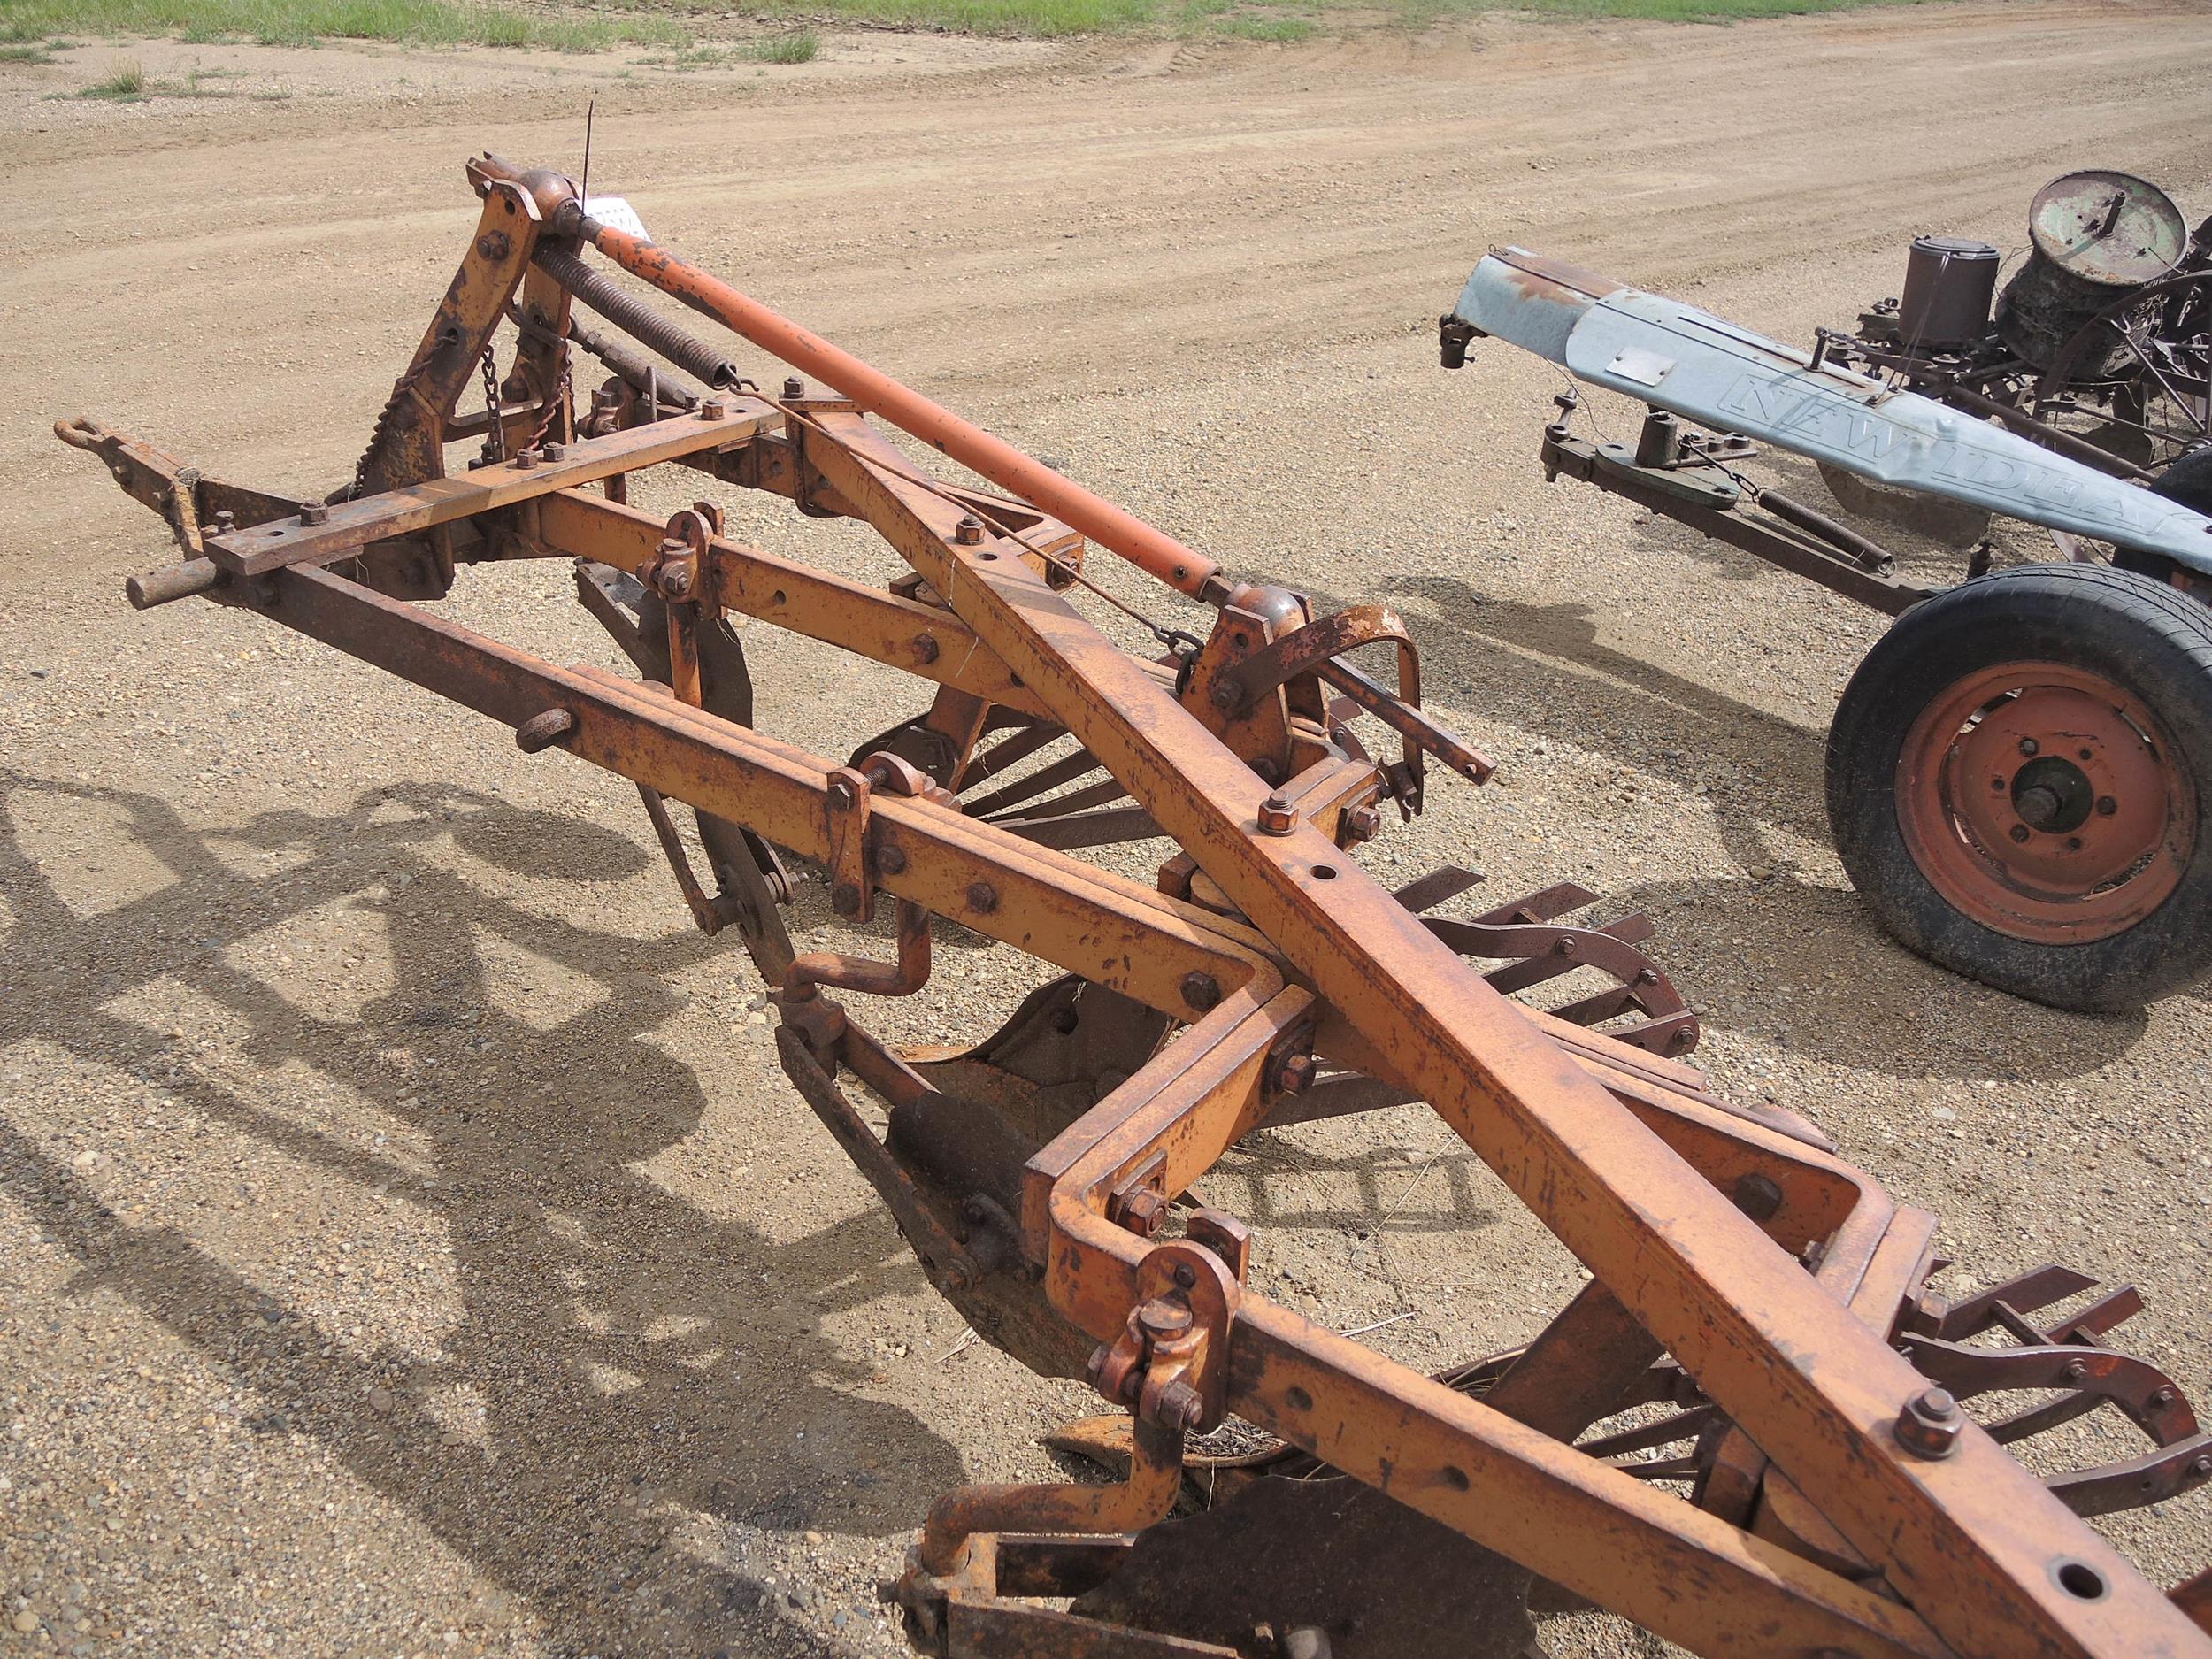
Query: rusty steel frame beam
1973,1540
1618,1153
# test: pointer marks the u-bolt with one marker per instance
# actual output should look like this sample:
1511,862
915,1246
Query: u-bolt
902,978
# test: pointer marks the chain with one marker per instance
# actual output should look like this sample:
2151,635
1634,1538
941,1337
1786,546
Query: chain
563,393
401,388
494,428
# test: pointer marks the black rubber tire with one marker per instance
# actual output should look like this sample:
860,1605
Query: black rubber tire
2142,635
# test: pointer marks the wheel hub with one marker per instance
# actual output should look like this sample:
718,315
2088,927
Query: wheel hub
2044,801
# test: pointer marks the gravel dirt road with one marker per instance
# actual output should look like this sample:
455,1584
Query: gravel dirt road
407,1244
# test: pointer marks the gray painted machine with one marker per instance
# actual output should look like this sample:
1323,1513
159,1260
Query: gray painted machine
2020,772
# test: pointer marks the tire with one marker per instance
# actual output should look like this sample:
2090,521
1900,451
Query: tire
2080,874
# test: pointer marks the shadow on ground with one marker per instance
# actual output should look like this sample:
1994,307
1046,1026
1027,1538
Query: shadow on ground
671,1286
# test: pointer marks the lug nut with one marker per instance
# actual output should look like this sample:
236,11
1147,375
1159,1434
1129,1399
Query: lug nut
1276,815
1928,1425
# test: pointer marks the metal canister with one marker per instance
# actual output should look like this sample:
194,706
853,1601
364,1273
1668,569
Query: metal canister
1949,284
2095,237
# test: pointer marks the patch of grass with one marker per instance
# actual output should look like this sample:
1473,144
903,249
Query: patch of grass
125,84
1262,28
27,55
304,22
799,46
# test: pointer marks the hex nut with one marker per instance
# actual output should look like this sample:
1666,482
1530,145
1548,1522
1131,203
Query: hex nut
1930,1425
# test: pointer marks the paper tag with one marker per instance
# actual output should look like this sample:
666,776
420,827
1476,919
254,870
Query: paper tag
616,213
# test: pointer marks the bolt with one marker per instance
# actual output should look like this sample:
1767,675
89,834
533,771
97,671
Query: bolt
1277,817
526,458
1141,1212
891,861
1227,694
1758,1196
840,792
969,531
925,647
541,731
1294,1074
2019,832
1201,990
1159,1319
2029,746
553,451
713,409
2163,1397
314,512
1565,947
225,523
1997,786
2107,806
1647,976
982,898
1930,1423
1181,1407
793,387
2076,1371
675,580
1362,823
1186,1275
2201,1468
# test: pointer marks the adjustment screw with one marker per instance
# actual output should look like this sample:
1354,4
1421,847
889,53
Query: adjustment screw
1276,815
793,387
314,512
1930,1423
969,531
713,409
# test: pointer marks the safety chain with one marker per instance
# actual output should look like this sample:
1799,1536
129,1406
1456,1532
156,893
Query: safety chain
494,428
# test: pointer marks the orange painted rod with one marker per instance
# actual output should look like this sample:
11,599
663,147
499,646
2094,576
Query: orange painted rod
1019,474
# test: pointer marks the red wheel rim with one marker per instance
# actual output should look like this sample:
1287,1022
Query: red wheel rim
2045,804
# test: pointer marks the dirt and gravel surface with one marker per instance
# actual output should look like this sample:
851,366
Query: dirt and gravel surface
407,1244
